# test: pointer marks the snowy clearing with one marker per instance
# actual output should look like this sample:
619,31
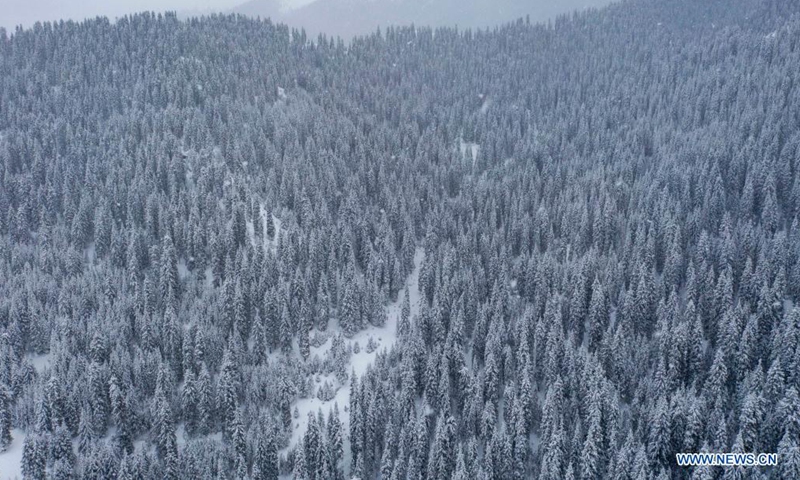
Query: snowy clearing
11,459
40,362
269,245
385,337
472,148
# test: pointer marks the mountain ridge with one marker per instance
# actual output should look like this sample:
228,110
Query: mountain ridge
349,18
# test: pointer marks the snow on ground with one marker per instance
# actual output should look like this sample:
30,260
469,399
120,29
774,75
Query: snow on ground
486,103
251,232
11,459
788,305
183,270
268,244
209,276
385,337
473,148
91,253
40,363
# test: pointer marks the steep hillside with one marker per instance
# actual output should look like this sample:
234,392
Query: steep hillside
542,251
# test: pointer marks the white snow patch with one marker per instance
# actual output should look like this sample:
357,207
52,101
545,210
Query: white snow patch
788,305
464,147
251,232
180,434
183,270
11,459
40,362
138,445
385,337
487,102
209,277
91,253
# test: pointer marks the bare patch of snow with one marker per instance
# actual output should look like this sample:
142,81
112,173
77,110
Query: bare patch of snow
11,459
183,271
90,252
209,273
788,305
472,148
251,232
40,362
487,102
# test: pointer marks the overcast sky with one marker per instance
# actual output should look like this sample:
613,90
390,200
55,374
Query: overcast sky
26,12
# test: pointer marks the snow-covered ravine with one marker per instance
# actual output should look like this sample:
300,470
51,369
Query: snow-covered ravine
385,337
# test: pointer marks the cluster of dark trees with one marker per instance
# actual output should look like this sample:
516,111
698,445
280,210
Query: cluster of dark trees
190,209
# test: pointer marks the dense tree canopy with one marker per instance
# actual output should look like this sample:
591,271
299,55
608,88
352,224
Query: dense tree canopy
598,220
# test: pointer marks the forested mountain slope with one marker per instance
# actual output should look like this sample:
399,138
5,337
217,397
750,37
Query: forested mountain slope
585,236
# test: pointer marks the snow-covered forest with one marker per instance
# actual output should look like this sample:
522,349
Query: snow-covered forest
561,251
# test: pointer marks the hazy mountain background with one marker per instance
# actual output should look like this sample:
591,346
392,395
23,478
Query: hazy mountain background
28,12
333,17
353,17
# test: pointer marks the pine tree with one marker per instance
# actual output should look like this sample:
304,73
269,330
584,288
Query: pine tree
303,339
591,456
598,315
85,430
169,270
189,401
521,447
658,443
270,225
123,438
205,401
750,422
403,324
34,457
461,471
441,460
554,455
61,470
237,434
266,457
227,390
163,428
349,311
300,470
312,446
5,418
789,463
334,436
286,330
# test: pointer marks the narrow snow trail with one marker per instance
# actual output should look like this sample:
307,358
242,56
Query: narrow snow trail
385,337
